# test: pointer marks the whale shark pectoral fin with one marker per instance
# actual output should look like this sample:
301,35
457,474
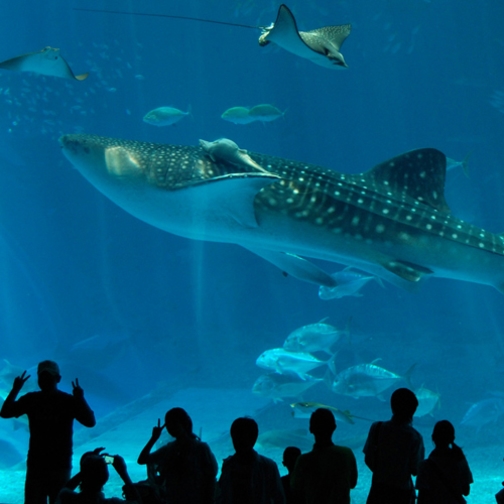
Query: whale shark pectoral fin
295,266
407,271
231,196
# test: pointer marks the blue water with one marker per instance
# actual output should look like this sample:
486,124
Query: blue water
163,309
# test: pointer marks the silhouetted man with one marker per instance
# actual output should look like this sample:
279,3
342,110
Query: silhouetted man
327,473
247,477
393,451
51,413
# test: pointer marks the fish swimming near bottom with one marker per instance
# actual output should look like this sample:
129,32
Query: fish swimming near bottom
391,221
305,410
278,386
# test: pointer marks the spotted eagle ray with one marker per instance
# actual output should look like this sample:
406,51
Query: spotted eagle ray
391,221
322,46
48,61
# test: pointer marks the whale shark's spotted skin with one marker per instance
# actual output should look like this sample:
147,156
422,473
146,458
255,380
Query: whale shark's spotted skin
392,221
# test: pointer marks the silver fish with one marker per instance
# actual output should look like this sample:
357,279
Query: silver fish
305,410
278,386
164,116
392,221
265,113
237,115
366,380
313,338
428,401
281,361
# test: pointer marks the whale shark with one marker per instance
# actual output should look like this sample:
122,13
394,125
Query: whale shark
392,221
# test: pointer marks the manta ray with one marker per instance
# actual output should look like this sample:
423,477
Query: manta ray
322,46
47,61
391,221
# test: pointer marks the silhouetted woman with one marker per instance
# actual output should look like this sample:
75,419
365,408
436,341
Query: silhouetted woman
187,467
444,477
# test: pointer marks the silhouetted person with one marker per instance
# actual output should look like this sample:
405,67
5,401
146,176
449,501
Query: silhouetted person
51,413
393,451
187,467
247,477
290,455
91,479
327,473
445,476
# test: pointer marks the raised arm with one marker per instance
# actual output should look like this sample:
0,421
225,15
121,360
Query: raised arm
84,413
143,458
9,406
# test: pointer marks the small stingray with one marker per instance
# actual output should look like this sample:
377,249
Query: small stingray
48,61
227,151
321,46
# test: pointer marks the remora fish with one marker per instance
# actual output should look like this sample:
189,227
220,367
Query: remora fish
227,151
321,46
392,221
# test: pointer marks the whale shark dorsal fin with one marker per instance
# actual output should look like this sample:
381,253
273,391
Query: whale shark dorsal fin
419,174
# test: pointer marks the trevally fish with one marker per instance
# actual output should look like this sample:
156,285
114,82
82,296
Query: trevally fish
428,401
392,221
277,386
321,46
366,380
348,283
164,116
265,113
305,410
47,61
281,361
313,338
237,115
483,412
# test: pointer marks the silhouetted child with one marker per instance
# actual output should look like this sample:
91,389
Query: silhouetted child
393,451
327,473
290,455
91,479
247,477
51,413
187,466
445,476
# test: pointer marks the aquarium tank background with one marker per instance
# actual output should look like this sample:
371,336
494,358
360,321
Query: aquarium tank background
147,320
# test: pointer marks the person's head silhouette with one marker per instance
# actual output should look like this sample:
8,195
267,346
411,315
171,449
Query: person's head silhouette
290,455
244,432
403,403
322,424
48,375
443,434
178,423
94,473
